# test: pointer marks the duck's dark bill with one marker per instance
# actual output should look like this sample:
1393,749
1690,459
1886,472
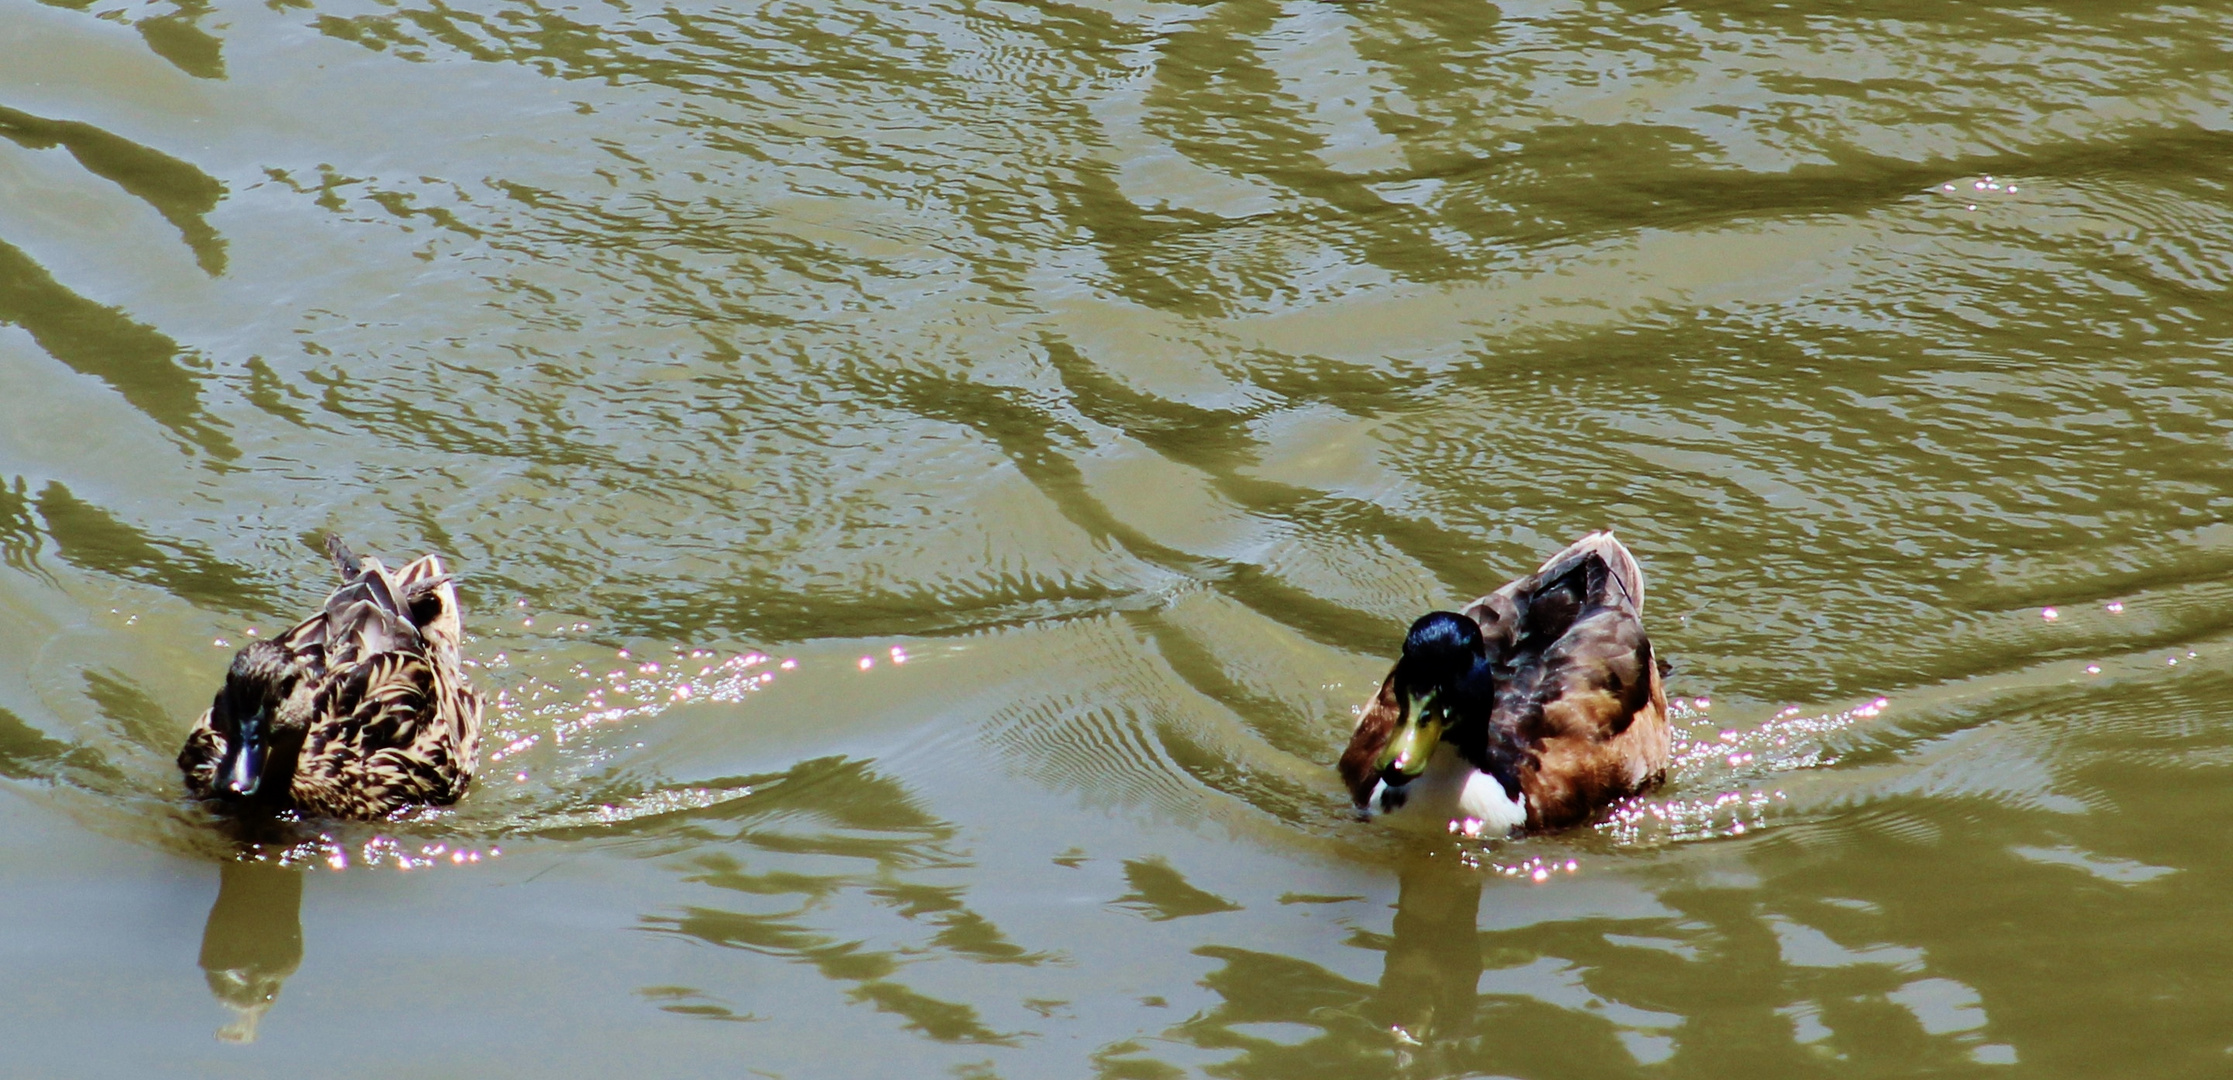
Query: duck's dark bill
244,758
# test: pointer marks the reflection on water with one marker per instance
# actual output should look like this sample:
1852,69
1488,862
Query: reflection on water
1433,964
1135,370
252,942
1285,1016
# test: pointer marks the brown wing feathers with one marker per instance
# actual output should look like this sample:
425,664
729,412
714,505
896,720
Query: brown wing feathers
1587,700
1374,728
392,747
411,731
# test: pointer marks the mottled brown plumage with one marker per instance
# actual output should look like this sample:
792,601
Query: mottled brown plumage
356,712
1558,699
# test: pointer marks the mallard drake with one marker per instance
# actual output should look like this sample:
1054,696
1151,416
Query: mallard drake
358,711
1534,708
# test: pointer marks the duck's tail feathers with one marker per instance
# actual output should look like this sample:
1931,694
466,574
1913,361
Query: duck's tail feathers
343,558
1624,584
376,608
369,584
363,629
430,593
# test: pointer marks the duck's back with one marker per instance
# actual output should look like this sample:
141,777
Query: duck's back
394,721
1577,687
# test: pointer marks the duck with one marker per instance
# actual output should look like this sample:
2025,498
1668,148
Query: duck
357,712
1533,708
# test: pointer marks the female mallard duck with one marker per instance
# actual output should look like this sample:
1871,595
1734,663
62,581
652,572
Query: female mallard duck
1535,708
358,711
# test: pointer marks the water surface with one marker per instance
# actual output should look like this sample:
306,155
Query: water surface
931,481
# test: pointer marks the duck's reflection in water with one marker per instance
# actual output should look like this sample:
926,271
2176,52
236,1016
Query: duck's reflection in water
1429,980
252,942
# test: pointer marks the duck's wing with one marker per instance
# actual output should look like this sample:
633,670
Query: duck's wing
306,641
430,598
1552,596
1375,727
203,753
388,732
396,724
379,610
1578,689
1622,584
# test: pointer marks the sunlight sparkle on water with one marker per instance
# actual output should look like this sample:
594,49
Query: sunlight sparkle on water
383,849
1984,186
1536,869
619,695
1732,756
377,852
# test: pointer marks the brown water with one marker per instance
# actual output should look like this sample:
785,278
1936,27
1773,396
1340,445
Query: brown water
1135,371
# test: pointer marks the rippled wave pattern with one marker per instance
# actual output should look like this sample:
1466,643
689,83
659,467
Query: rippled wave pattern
931,483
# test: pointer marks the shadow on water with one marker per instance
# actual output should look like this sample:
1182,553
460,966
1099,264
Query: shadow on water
19,534
1913,912
177,35
150,370
176,189
252,941
1170,355
1160,893
93,538
26,753
179,38
138,361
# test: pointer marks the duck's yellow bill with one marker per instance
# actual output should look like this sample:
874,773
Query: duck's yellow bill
1414,739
